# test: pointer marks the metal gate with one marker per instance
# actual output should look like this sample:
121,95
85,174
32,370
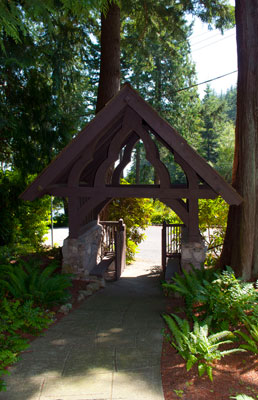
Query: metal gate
113,244
171,242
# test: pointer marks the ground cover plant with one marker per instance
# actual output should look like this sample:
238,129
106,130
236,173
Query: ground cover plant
26,280
197,346
217,317
18,317
29,288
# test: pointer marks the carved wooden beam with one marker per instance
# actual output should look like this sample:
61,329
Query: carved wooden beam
78,167
191,175
126,159
113,154
150,191
152,155
179,207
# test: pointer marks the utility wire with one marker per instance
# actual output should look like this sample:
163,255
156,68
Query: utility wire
210,44
218,37
202,83
210,33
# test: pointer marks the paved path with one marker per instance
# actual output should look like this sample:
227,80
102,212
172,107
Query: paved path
108,349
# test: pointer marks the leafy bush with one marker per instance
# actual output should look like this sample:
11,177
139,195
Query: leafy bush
229,299
197,346
163,213
251,341
212,224
213,301
21,222
26,280
136,214
220,295
16,318
191,285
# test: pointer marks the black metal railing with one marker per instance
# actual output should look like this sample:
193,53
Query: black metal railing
171,241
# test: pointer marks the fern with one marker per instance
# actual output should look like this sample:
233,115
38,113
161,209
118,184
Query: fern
27,281
197,346
251,342
17,317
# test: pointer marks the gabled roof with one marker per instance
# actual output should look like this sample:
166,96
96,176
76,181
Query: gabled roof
96,137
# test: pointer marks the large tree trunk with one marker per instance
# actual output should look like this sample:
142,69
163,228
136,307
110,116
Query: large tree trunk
240,249
109,79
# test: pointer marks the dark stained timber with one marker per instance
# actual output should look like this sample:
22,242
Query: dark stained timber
80,169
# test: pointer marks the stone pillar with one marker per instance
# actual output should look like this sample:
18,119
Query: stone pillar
192,252
80,255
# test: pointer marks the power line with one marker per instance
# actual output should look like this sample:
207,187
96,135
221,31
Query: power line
202,83
217,37
217,34
211,33
210,44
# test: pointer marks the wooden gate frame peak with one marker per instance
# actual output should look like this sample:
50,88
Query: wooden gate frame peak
79,172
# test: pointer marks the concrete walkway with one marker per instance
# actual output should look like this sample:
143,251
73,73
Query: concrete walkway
108,349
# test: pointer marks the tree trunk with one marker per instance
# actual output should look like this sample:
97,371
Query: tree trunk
109,78
240,249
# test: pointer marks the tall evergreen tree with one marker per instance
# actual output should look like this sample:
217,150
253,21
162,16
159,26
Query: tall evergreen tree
240,247
213,117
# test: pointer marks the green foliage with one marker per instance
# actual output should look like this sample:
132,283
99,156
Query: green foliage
212,223
220,301
61,221
27,281
230,98
163,213
15,318
191,285
136,214
242,397
220,295
229,299
251,340
197,346
226,146
22,223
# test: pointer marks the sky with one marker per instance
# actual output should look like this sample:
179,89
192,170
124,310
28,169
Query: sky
214,55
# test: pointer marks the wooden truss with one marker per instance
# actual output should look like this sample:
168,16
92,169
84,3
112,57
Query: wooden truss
81,171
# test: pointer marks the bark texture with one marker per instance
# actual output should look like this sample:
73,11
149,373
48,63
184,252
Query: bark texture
109,79
240,249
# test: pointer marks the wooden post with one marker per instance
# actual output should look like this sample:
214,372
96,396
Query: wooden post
163,247
193,227
73,217
120,248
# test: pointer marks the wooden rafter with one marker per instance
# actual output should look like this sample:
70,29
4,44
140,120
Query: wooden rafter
80,169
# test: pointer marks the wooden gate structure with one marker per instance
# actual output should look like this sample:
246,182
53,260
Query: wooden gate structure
113,245
171,240
81,172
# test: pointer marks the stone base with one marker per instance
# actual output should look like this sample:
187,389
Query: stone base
81,255
192,253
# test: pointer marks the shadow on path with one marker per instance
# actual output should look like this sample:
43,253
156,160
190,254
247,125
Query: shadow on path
107,349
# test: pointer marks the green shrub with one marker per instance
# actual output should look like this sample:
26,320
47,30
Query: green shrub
230,299
251,340
212,224
191,285
136,214
26,280
220,295
197,346
163,213
15,318
22,222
